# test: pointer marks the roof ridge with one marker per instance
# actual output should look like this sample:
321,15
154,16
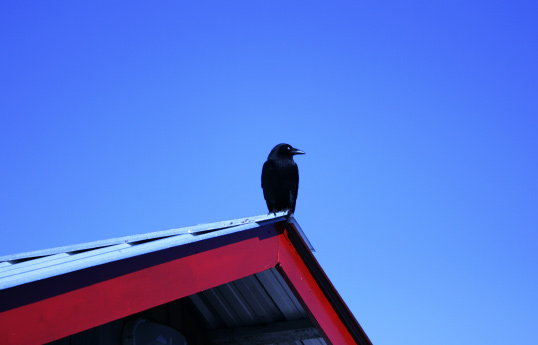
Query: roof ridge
142,237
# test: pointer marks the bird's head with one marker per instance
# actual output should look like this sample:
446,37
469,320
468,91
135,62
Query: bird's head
284,151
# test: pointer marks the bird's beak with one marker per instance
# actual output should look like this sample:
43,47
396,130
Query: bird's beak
297,152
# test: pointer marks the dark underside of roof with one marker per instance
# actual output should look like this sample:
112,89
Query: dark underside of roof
258,309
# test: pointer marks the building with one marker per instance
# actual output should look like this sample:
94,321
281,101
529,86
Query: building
247,281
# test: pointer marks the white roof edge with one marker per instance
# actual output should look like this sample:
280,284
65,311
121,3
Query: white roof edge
113,253
267,218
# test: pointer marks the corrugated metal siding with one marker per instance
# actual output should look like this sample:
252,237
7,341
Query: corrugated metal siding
263,298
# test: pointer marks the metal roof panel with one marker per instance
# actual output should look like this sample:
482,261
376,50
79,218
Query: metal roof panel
32,266
144,237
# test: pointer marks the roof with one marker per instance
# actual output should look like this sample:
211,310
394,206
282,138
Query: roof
259,297
17,269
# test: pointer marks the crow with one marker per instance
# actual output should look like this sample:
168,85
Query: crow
280,179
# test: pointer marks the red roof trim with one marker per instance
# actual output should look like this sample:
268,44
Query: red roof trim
90,306
38,290
332,295
311,294
75,311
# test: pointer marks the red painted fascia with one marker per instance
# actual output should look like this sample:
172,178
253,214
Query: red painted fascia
75,311
332,295
313,298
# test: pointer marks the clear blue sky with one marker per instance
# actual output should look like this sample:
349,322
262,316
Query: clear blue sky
419,189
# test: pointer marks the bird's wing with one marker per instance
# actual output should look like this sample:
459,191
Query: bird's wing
268,172
294,190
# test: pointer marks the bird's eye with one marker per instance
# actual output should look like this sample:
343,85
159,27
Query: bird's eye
289,148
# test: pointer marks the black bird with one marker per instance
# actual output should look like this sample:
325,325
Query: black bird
280,179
